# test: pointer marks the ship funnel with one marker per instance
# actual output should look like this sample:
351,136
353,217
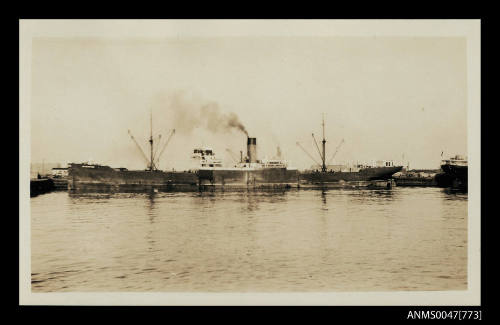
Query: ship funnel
252,150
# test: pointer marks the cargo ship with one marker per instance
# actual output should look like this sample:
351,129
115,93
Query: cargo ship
338,175
455,173
248,173
208,172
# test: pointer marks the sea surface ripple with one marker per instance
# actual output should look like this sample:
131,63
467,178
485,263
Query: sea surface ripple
294,241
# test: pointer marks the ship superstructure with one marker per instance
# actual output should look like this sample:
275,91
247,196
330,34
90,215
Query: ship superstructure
455,172
250,172
205,157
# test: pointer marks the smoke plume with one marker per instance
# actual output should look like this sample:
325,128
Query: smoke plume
187,112
215,121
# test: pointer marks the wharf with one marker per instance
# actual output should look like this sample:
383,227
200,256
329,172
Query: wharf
44,185
39,186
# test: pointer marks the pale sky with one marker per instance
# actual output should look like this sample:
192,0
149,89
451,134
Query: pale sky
384,96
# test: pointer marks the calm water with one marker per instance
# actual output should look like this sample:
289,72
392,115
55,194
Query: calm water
307,240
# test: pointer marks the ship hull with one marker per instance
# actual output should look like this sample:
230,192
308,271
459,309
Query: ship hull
454,176
363,175
241,178
105,177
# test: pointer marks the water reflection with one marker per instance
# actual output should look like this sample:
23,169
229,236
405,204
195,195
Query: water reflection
250,200
150,204
252,203
455,194
323,200
378,196
83,196
310,240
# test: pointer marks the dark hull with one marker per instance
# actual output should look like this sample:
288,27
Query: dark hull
237,178
416,181
367,174
104,177
453,176
40,186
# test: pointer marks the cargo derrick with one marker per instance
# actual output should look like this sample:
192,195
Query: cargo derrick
154,159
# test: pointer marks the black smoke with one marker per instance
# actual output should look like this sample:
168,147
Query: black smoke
186,112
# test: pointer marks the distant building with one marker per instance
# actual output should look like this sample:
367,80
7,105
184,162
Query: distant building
59,172
384,163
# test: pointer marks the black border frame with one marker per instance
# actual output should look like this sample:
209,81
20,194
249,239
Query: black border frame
238,313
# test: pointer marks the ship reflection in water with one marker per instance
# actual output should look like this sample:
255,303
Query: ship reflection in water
296,240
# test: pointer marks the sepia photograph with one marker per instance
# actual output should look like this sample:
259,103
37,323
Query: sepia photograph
250,162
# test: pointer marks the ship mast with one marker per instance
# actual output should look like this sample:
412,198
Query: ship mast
323,168
151,141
